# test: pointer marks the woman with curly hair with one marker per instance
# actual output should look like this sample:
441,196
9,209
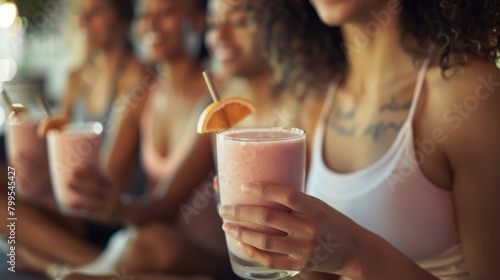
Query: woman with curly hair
238,62
404,181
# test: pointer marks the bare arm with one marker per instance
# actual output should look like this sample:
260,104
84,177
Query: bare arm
474,155
121,149
68,98
176,188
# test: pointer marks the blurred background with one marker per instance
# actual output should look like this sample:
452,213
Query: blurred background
39,44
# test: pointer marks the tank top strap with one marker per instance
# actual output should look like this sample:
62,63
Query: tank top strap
420,82
330,97
319,131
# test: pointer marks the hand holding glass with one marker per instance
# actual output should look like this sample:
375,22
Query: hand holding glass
258,155
74,147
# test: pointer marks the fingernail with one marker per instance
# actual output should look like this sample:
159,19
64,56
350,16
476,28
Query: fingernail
223,211
246,188
226,227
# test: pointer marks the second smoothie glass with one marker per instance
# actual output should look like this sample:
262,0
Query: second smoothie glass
78,144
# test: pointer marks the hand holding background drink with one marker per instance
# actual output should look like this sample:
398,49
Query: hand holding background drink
26,151
28,154
74,147
252,155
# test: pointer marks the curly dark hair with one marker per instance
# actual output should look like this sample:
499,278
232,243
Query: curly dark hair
302,50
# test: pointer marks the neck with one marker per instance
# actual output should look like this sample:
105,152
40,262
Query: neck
112,56
180,74
261,86
376,57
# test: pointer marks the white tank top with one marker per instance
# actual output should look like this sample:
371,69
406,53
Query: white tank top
393,198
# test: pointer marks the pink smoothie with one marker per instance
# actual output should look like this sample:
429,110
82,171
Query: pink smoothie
69,150
260,155
22,140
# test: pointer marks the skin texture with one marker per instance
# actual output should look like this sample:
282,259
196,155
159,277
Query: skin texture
376,96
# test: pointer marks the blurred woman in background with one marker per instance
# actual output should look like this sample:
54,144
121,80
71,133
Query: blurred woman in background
111,84
239,59
110,78
176,229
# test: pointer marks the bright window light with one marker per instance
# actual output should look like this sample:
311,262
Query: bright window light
8,13
8,69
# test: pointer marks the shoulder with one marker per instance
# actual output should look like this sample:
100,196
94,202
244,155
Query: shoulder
74,83
473,89
136,77
136,83
467,107
75,78
135,88
75,74
474,77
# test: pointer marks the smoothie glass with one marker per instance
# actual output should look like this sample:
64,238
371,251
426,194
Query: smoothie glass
22,140
75,146
258,155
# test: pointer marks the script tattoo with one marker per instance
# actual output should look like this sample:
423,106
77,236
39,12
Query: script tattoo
376,130
394,106
340,119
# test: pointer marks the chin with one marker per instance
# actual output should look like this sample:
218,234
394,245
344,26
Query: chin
336,13
91,46
160,54
224,72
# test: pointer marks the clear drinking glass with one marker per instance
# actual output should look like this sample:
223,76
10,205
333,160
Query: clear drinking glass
75,146
258,155
22,140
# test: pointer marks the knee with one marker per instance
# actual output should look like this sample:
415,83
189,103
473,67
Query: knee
153,248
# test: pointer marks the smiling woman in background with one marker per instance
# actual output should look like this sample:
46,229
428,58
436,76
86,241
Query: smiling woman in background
174,234
111,77
404,181
239,62
170,231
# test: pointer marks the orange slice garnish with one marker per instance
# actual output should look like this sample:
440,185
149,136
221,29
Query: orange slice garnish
224,114
48,124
